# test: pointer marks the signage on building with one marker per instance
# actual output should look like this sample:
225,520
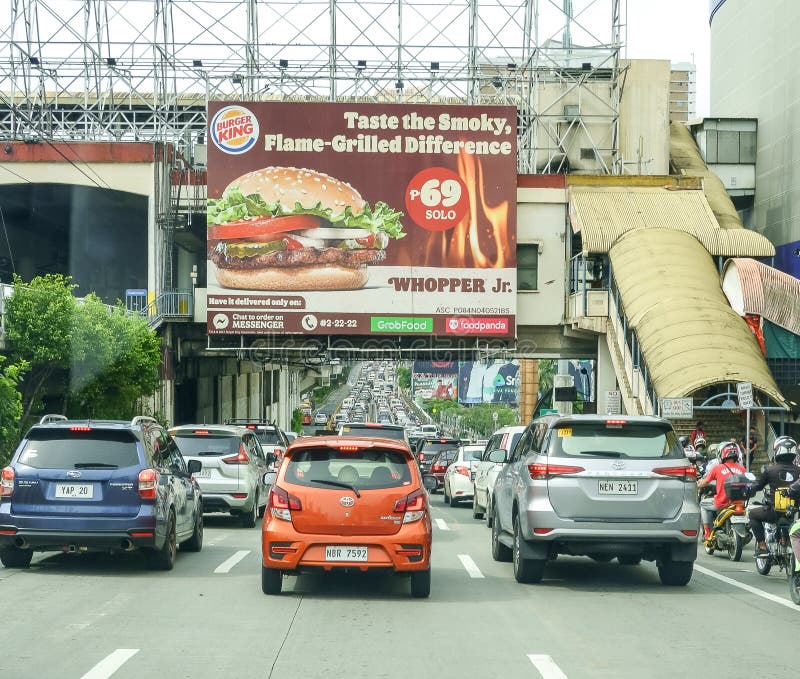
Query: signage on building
435,379
613,402
744,391
677,408
361,219
493,381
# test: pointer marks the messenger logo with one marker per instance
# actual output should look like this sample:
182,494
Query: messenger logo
400,324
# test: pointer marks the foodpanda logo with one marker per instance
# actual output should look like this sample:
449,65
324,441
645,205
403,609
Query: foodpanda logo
234,130
453,323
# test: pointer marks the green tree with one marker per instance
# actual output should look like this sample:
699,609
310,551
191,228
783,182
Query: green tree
10,407
547,370
403,377
297,420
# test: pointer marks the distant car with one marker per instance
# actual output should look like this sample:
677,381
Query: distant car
489,467
233,468
271,437
99,485
439,465
597,486
427,449
460,474
320,418
374,429
342,503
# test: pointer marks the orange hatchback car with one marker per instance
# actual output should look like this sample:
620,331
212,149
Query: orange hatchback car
347,504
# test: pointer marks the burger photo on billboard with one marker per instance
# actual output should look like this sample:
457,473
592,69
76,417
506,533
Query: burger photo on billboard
287,228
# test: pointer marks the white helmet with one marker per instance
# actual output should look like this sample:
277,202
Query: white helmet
784,449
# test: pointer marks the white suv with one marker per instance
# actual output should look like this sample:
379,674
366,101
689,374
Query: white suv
489,467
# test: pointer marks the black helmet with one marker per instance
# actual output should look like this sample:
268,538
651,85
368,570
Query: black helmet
784,449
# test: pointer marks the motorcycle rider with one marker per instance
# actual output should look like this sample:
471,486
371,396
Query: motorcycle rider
780,474
793,492
728,455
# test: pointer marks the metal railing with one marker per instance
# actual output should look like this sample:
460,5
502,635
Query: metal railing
587,274
173,304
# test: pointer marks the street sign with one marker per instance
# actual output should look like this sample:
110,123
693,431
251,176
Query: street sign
495,415
613,402
677,408
745,392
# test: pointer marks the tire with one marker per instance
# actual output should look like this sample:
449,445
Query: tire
421,584
164,559
709,550
14,557
499,551
195,543
601,558
525,570
453,501
488,517
445,499
271,580
735,543
629,559
249,519
675,573
794,582
476,512
764,564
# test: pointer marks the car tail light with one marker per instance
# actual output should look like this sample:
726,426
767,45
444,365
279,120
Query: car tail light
251,427
542,531
685,473
282,504
690,533
240,458
546,470
279,452
462,470
201,432
7,482
421,457
239,496
148,478
413,506
80,428
438,468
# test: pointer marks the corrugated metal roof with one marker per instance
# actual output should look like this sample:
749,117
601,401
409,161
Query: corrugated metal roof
602,214
690,337
767,292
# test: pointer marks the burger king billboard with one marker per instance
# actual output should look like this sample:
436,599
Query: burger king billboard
361,219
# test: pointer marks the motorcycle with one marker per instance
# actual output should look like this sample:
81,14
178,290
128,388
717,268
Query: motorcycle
777,539
730,531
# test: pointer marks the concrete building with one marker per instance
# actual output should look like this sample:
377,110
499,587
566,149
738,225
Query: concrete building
683,92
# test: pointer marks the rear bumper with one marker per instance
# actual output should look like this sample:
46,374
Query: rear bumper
224,502
461,486
81,541
284,548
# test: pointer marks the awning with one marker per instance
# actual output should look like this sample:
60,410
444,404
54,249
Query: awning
690,338
602,214
755,288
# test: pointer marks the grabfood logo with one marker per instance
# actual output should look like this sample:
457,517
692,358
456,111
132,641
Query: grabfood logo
234,129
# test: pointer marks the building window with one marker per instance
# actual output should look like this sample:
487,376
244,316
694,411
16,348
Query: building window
527,266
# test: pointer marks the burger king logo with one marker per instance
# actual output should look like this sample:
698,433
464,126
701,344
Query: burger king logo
234,129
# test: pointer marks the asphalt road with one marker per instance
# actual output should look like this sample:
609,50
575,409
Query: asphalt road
93,617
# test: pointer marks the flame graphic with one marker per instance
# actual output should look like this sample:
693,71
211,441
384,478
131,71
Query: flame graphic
461,246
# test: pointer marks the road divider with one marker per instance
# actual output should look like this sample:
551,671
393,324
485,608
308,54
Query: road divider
470,566
747,588
546,666
226,565
441,525
111,663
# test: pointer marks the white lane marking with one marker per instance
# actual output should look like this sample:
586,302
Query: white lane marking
470,566
226,565
747,588
441,525
546,666
111,663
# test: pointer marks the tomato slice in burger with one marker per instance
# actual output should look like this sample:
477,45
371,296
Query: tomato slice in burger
259,227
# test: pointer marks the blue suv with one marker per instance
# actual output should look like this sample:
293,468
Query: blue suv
99,485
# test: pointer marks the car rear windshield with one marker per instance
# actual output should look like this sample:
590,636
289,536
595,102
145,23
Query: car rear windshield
370,468
199,445
472,454
437,446
371,431
596,439
95,449
268,438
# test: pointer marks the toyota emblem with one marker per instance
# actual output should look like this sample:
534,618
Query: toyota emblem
73,475
618,464
347,501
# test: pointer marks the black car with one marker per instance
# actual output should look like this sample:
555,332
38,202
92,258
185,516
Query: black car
99,485
439,464
429,447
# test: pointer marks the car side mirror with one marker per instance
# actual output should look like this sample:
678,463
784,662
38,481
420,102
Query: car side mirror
269,478
498,456
194,466
429,482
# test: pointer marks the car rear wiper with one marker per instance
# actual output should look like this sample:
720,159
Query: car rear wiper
92,465
338,484
216,453
602,453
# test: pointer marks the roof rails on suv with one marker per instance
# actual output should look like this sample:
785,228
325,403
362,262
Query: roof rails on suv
242,421
143,418
47,419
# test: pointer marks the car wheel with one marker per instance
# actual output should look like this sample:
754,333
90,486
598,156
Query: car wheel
421,584
249,518
675,573
445,499
525,570
488,517
629,559
164,559
453,501
195,543
14,557
499,551
271,580
476,512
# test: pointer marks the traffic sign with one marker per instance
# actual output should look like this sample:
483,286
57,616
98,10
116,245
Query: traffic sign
613,402
745,392
495,415
677,408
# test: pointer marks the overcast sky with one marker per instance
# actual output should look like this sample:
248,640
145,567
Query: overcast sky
676,30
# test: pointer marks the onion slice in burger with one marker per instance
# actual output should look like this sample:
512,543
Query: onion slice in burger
258,227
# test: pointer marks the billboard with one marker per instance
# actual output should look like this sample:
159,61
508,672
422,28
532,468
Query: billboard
435,379
361,219
493,381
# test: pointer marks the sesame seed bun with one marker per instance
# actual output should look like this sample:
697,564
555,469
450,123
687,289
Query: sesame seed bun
317,277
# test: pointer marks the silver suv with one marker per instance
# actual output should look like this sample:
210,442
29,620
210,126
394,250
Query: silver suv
601,487
233,468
